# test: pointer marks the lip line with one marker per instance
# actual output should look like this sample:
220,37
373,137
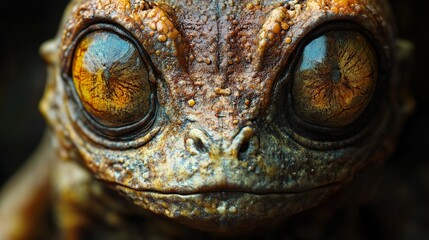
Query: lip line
223,190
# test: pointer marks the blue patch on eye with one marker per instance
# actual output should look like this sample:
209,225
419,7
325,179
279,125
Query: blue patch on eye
107,49
314,53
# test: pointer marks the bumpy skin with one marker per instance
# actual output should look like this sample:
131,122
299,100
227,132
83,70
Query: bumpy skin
220,155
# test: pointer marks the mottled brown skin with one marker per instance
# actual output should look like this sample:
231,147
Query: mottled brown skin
220,154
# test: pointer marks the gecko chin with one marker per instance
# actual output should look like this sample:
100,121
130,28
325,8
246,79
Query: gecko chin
227,212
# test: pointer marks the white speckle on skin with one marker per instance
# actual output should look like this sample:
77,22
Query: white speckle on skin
232,209
221,208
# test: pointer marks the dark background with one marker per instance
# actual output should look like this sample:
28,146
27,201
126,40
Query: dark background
26,24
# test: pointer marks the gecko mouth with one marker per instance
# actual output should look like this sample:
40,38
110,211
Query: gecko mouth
226,210
226,190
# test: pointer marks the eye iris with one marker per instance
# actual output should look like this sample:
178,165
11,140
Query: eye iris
335,79
111,79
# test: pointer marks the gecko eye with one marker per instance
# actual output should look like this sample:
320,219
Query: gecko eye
111,79
335,79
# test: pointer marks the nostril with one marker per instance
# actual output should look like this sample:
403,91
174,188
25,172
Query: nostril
248,148
199,145
245,143
197,142
244,146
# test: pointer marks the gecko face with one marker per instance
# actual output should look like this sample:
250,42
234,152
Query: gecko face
222,115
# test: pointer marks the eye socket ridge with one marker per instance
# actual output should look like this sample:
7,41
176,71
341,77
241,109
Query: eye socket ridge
119,131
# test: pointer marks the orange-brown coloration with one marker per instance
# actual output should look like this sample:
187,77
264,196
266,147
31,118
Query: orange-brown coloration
111,79
334,88
158,20
191,102
218,154
271,29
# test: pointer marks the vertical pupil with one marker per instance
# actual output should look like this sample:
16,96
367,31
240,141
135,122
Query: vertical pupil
336,74
106,75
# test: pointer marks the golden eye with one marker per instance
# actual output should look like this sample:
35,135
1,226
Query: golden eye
111,79
335,79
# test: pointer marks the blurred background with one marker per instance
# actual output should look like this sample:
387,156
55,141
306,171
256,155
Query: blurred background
26,24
